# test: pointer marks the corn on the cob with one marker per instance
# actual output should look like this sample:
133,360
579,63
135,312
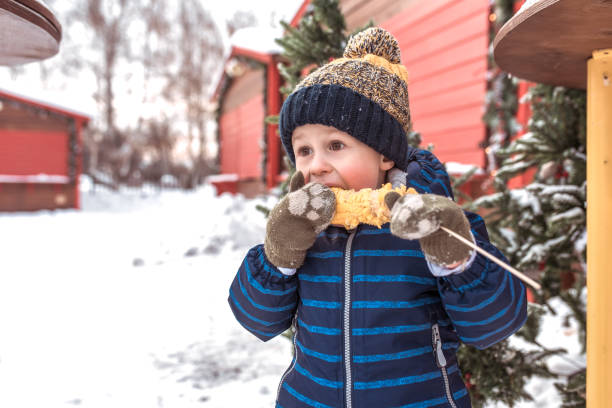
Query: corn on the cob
366,206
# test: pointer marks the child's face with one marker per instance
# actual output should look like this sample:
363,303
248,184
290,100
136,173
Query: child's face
329,156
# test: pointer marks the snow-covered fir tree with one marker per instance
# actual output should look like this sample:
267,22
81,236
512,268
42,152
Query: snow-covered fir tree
542,227
320,36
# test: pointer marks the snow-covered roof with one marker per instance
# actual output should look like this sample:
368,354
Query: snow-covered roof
44,98
259,39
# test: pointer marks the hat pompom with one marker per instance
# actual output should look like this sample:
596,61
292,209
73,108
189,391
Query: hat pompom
375,41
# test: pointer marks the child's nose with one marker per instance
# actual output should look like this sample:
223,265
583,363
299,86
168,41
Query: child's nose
319,166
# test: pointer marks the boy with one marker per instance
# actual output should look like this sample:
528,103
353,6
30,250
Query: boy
378,313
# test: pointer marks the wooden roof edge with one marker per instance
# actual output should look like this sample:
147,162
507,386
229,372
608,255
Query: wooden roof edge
300,13
263,57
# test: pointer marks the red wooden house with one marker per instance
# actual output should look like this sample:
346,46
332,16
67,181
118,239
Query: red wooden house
444,46
40,160
241,127
248,92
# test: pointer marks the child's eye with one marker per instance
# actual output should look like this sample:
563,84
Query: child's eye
303,151
336,145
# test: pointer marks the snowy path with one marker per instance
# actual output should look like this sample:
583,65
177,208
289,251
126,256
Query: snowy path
81,326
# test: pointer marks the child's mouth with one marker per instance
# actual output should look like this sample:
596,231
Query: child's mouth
325,183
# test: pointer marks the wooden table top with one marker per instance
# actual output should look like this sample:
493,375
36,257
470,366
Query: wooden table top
28,32
551,40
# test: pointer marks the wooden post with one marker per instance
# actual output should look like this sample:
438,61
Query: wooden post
273,141
599,225
79,164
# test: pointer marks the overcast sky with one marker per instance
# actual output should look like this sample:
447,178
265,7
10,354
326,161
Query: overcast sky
268,12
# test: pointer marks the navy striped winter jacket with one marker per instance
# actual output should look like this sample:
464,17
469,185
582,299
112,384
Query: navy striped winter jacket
373,327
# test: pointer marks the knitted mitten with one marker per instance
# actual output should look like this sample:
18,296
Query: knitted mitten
420,217
296,220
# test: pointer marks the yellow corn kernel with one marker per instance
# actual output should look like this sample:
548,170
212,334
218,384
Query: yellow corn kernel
366,206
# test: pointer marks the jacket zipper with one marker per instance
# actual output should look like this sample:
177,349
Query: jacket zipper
347,324
436,340
292,365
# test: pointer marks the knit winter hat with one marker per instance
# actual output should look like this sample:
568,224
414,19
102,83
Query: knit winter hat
364,94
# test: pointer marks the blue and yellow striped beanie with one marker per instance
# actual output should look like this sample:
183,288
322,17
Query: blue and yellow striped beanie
364,94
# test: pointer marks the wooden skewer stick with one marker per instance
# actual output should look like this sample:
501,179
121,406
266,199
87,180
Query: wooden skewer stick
498,261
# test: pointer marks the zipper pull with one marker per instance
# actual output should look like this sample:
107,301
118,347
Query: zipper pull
437,343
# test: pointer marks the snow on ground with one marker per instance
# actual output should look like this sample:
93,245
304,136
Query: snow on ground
123,304
553,334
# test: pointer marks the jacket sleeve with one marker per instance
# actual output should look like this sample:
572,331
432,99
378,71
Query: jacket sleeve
426,174
485,303
262,299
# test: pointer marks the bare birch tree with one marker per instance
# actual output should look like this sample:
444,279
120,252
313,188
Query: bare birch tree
240,19
107,23
200,53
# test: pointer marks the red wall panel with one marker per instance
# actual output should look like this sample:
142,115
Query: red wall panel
33,152
241,133
444,48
